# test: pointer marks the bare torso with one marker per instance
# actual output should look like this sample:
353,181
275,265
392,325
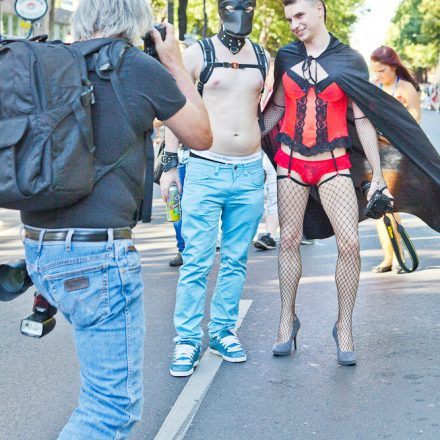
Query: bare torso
232,98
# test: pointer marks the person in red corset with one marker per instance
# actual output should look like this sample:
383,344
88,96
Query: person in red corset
315,124
314,141
320,84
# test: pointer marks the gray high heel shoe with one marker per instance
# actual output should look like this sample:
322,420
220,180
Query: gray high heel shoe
344,357
285,348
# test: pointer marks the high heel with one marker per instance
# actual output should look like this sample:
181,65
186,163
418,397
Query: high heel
285,348
344,357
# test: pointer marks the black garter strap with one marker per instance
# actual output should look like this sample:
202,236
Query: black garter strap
292,178
319,184
332,177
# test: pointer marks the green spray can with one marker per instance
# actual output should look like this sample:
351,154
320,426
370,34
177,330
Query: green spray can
173,204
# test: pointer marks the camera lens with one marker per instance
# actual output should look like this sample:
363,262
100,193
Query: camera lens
12,280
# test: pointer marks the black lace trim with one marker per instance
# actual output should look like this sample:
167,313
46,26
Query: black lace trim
321,121
342,142
301,110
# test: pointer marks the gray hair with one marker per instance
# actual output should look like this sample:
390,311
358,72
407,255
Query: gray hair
127,19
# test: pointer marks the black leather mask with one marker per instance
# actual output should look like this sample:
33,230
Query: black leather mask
237,23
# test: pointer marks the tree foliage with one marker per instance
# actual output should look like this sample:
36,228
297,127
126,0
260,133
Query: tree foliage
415,32
270,26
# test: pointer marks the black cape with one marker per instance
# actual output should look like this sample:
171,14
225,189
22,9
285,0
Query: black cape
410,164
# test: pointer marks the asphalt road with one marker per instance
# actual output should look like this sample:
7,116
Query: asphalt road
393,392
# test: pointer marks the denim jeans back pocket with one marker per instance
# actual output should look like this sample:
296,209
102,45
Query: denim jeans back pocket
82,295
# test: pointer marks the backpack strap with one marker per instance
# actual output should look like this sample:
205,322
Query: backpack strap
106,61
208,51
80,51
87,99
107,64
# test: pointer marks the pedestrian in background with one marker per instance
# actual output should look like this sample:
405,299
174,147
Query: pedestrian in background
183,156
394,78
266,241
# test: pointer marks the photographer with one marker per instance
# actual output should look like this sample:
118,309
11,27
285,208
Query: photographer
82,257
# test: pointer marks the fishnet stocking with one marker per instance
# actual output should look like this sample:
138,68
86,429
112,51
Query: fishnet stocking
292,201
272,115
338,198
368,137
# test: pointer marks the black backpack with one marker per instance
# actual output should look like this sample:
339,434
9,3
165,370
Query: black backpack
47,156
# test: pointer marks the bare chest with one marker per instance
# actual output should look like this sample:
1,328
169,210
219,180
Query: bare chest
235,82
237,79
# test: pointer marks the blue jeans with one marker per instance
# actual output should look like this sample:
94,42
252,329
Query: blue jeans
178,225
98,287
234,192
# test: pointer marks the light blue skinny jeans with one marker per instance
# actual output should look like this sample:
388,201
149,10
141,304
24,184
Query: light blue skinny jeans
98,287
214,190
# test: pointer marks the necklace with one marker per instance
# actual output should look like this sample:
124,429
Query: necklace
393,92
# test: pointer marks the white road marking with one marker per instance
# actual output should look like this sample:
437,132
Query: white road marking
188,403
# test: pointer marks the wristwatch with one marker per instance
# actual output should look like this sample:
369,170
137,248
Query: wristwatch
169,160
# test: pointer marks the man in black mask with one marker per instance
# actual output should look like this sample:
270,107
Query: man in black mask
226,182
236,17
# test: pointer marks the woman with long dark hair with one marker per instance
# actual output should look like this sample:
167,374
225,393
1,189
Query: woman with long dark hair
394,78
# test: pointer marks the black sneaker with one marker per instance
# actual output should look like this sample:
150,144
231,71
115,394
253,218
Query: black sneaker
177,260
265,242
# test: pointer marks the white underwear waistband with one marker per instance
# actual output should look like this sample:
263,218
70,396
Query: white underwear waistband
228,159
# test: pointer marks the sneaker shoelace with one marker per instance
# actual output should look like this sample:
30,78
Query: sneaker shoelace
231,343
184,354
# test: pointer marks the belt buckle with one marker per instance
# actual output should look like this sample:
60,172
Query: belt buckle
235,65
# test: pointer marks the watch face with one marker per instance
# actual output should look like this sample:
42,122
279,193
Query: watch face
31,10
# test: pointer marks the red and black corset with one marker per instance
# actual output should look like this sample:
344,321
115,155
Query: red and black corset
315,120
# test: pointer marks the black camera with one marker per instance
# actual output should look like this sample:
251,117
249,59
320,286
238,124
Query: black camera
149,46
379,203
14,279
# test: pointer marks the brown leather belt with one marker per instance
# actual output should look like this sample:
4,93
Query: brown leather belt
118,234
